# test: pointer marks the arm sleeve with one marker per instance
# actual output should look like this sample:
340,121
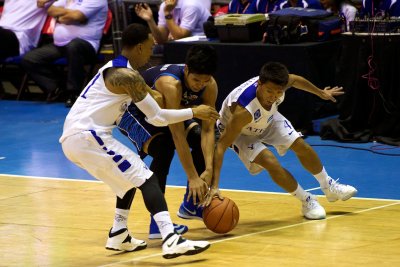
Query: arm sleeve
162,117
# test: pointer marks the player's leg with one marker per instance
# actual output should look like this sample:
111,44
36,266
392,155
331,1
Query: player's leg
116,165
120,224
105,158
162,149
119,237
311,162
311,209
187,209
257,157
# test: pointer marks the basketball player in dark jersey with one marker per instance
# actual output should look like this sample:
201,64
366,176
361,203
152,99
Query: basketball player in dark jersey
181,85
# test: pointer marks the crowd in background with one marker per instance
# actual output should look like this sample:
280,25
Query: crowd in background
77,30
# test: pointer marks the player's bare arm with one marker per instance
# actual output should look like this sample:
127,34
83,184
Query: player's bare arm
126,81
207,131
240,117
171,89
302,83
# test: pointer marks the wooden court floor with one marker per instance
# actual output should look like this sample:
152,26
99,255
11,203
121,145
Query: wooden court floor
55,222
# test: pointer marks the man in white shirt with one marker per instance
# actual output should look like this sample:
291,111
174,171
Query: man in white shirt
20,25
77,34
176,19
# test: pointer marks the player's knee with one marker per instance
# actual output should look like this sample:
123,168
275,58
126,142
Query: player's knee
300,147
162,148
270,163
194,136
150,184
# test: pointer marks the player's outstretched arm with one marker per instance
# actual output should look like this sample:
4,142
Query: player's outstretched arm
128,81
302,83
239,119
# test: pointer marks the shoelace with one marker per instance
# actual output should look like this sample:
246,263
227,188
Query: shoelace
336,187
311,202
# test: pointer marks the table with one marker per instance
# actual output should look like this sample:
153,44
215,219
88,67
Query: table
239,62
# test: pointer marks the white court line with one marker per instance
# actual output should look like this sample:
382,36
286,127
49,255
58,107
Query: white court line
179,186
258,233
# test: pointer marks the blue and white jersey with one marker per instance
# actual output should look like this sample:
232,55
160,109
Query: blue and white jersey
97,108
265,6
245,96
176,71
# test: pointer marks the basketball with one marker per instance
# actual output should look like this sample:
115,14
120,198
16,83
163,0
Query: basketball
221,216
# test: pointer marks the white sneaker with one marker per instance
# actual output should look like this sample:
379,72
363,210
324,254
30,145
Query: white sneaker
175,245
312,210
122,240
337,191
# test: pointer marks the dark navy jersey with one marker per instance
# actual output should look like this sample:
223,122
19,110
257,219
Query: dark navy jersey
177,71
133,123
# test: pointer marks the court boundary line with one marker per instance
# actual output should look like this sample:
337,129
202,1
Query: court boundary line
180,186
260,232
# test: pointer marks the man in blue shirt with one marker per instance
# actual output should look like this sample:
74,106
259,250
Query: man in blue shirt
242,7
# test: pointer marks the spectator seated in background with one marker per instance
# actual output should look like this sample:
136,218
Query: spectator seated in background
20,25
281,4
341,8
380,8
265,6
176,19
206,4
242,7
77,34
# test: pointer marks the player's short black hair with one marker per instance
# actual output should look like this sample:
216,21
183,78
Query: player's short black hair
201,59
274,72
134,34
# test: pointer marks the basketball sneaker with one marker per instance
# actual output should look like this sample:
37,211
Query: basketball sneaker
186,213
154,232
336,191
122,240
312,210
175,245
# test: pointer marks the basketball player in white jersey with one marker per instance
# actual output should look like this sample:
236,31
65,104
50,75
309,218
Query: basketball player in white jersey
250,119
87,139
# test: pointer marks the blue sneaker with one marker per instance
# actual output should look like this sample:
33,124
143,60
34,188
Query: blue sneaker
187,213
154,232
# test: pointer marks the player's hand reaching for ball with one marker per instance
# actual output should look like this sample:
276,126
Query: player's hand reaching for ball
214,192
204,112
197,189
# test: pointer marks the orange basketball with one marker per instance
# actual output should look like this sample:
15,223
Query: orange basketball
221,216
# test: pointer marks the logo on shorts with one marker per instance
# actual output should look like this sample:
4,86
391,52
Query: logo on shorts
251,146
257,114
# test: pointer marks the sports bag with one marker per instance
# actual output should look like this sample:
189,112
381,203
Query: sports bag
296,24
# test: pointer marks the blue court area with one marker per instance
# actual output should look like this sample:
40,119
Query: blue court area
29,146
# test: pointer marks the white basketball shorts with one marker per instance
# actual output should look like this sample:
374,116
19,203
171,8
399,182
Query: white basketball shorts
107,159
279,133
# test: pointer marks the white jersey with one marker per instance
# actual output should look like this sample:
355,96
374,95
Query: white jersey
97,108
245,96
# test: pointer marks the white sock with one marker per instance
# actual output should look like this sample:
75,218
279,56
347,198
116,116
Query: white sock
120,219
300,194
164,223
323,178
